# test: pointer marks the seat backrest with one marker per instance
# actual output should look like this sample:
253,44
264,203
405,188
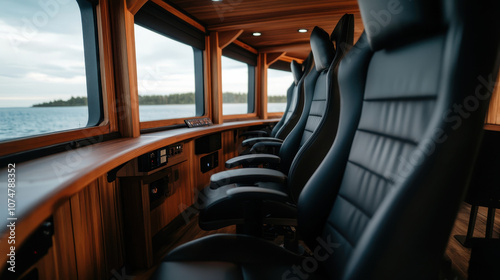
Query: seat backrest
321,111
413,105
288,111
295,100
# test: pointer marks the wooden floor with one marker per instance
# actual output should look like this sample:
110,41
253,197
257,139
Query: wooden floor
458,254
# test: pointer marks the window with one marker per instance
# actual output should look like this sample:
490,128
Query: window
165,77
234,87
47,82
169,56
238,80
278,82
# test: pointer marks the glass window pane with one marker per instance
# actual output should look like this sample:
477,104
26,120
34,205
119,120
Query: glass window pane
234,87
42,78
278,82
166,76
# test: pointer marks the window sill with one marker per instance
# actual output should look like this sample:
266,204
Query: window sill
30,143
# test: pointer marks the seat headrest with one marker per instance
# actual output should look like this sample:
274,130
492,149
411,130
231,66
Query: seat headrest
391,22
296,71
343,34
308,63
322,49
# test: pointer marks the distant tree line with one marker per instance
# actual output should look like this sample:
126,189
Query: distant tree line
276,98
230,97
177,98
73,101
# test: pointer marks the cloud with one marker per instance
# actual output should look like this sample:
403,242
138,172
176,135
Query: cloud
40,62
278,81
52,16
158,51
234,75
40,77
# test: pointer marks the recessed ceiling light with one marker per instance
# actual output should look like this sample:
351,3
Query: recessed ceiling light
216,0
302,30
256,34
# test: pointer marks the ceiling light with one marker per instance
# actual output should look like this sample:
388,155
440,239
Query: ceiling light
216,0
256,34
302,30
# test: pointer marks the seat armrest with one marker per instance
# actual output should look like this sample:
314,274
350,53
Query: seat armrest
230,205
253,160
254,133
266,148
246,176
250,142
256,193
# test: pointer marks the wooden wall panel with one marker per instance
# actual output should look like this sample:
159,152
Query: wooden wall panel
111,223
88,242
137,229
229,150
229,146
493,116
182,198
87,232
64,245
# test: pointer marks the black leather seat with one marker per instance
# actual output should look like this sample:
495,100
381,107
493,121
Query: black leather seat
293,110
222,205
415,99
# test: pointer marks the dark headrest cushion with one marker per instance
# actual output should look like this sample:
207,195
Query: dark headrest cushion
296,71
322,48
391,22
343,32
308,63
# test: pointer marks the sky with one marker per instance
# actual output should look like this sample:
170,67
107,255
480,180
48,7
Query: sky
41,52
42,57
278,82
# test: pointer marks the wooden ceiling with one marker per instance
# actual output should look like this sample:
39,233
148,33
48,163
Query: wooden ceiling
277,20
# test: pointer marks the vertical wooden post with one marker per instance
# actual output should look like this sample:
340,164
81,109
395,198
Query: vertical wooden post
261,86
207,87
216,78
493,115
127,107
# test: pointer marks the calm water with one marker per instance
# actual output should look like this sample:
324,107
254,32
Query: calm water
22,122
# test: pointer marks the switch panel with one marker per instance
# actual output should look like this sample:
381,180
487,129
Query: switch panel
158,158
153,160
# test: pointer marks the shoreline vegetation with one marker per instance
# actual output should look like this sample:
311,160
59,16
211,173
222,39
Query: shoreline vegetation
176,98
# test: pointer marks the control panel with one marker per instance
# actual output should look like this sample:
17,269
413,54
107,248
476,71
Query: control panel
158,158
174,150
198,122
32,250
163,185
